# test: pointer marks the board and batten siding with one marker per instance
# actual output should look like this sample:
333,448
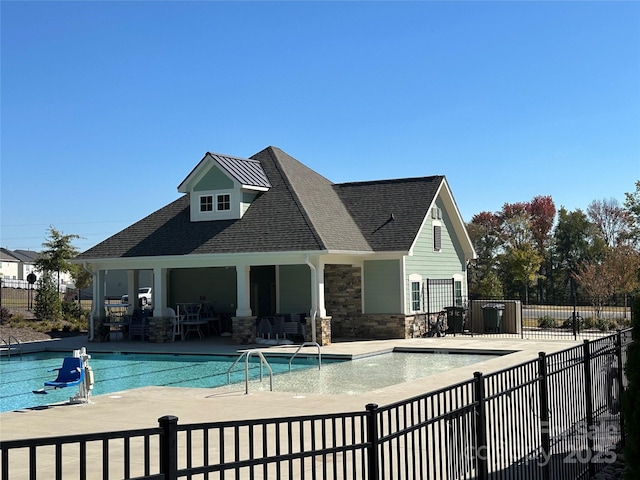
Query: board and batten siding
294,287
428,263
214,179
381,286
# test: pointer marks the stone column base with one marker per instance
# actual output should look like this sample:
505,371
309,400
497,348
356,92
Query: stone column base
323,331
243,330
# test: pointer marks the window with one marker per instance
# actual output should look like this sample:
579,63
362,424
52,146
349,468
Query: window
415,296
437,238
224,202
436,213
457,292
206,203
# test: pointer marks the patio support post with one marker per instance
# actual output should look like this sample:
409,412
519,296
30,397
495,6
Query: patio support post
159,295
99,288
133,285
243,277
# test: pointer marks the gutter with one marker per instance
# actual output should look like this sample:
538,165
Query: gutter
314,297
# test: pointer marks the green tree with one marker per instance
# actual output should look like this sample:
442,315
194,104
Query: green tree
47,302
523,264
58,249
632,207
485,234
575,242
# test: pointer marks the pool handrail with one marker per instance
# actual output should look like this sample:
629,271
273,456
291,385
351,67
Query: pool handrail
246,354
306,344
8,344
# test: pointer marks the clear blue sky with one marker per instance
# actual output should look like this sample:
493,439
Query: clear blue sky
107,106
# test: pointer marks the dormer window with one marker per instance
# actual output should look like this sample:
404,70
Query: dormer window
223,188
224,202
206,203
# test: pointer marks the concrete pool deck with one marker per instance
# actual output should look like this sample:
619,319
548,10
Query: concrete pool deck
141,408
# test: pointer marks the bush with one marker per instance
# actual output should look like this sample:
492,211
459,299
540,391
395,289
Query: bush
546,322
5,315
604,324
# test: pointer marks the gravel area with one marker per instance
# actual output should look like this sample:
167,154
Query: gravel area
23,335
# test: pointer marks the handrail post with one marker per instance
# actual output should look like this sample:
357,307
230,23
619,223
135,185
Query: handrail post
169,447
588,386
482,450
545,439
372,434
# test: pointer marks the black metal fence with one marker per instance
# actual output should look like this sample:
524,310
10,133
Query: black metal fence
557,416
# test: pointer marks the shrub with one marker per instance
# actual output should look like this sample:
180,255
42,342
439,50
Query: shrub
604,324
546,322
5,315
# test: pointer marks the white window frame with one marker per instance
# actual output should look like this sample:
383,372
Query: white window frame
415,279
228,201
211,204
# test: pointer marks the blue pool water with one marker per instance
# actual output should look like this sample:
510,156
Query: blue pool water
118,372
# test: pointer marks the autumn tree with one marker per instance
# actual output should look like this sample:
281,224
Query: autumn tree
595,279
623,264
610,220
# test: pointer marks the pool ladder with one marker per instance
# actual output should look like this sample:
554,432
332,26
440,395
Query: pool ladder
9,346
305,344
246,354
263,361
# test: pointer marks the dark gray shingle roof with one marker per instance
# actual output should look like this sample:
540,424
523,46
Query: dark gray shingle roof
389,213
301,211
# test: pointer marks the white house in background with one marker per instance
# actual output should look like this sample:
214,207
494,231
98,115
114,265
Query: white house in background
16,265
266,235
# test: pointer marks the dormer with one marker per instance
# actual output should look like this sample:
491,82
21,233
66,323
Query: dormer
223,187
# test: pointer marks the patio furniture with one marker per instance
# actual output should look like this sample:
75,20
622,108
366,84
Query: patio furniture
139,325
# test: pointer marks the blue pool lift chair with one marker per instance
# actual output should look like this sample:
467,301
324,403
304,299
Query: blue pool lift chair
70,374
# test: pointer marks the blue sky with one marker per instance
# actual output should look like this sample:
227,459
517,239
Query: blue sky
107,106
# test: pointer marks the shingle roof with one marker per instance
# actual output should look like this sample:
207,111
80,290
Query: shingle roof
389,213
301,211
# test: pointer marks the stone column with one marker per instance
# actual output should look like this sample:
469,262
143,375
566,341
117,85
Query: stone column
323,331
243,330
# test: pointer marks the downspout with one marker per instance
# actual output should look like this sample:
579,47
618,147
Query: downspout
314,297
93,275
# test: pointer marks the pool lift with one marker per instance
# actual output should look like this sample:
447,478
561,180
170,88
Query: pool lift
75,370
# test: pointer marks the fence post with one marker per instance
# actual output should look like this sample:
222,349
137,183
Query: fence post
482,450
620,384
372,433
545,439
588,387
169,447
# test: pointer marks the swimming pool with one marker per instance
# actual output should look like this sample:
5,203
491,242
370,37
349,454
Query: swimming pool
371,373
118,372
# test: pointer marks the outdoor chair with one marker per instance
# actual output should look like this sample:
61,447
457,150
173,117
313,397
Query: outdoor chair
71,373
139,325
176,324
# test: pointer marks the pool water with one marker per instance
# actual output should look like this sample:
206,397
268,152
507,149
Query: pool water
118,372
371,373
